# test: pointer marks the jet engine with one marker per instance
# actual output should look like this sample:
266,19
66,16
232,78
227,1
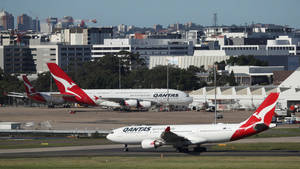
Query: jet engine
145,104
131,103
146,144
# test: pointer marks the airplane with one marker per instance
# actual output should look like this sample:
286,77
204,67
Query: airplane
49,98
182,136
125,99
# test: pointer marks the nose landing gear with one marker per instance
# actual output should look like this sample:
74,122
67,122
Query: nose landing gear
125,148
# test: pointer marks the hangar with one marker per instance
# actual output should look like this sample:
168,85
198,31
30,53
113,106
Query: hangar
249,97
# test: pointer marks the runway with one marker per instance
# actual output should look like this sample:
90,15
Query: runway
61,119
134,151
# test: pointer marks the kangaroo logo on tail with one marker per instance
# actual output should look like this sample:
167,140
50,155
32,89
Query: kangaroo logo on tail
28,86
31,93
67,85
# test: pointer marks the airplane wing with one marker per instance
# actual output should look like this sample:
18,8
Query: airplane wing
15,94
122,101
173,138
170,137
62,95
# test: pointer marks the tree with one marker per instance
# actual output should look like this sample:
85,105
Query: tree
43,82
231,79
9,83
103,73
245,60
221,65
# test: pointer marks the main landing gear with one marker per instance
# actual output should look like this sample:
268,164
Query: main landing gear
125,148
186,149
182,149
200,149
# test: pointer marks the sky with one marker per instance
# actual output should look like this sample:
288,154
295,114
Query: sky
146,13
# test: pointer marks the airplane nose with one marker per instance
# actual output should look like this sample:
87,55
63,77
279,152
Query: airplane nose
108,137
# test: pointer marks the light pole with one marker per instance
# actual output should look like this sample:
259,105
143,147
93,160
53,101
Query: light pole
168,85
51,88
215,84
50,82
119,74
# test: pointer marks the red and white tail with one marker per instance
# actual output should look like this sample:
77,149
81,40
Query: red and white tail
67,86
260,119
31,92
28,87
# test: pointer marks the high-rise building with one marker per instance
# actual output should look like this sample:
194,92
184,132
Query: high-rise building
49,26
16,59
24,22
157,27
36,25
81,36
6,21
122,28
65,22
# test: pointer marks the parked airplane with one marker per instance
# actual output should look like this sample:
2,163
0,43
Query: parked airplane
49,98
117,98
181,136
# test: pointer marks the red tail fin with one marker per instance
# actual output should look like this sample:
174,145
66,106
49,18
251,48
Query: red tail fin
62,80
260,120
28,87
67,86
31,93
264,112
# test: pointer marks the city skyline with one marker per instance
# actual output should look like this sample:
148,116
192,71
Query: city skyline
147,13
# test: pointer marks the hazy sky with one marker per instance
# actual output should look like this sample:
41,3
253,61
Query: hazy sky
164,12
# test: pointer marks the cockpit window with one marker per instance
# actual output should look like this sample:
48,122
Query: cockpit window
112,132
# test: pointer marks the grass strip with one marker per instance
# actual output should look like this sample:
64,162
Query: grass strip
153,162
61,142
278,132
256,147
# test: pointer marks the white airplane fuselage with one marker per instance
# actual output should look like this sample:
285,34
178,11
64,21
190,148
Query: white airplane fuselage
208,133
48,96
160,96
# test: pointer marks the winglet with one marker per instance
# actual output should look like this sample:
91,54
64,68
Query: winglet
168,129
